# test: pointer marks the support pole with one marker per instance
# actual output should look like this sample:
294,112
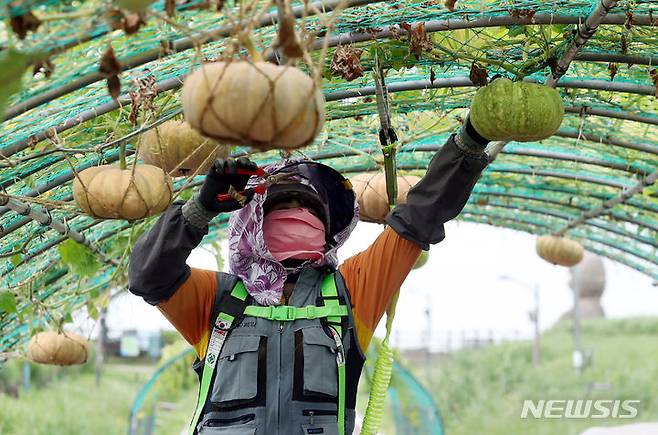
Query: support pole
46,219
607,206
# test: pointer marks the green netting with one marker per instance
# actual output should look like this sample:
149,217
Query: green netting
607,143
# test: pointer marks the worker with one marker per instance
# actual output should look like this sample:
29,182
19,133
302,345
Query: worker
281,339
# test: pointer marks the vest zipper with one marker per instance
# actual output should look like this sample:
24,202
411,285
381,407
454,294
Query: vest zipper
222,422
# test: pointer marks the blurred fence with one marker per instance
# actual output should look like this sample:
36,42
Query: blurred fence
451,340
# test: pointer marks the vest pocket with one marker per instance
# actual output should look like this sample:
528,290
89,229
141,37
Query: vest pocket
320,372
237,372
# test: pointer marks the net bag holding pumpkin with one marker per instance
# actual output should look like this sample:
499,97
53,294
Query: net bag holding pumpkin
370,191
110,192
179,149
58,348
255,103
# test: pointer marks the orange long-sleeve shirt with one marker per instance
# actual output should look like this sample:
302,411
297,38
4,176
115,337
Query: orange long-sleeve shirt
372,278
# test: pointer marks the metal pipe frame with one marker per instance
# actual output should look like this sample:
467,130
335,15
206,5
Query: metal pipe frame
177,46
536,228
549,200
567,217
587,236
8,229
604,209
346,38
453,82
560,133
46,219
51,244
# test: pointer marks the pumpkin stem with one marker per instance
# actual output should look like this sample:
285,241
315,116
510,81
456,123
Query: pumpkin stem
246,41
122,156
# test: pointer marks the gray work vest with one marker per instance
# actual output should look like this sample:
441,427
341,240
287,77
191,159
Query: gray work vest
280,378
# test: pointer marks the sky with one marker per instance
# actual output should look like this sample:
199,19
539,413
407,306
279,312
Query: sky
462,288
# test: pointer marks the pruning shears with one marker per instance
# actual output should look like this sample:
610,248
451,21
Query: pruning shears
269,179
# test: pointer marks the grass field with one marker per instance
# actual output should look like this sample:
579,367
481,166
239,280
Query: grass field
75,406
481,391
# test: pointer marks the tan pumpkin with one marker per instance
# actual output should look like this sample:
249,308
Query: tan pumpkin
55,348
179,149
370,191
257,104
113,193
559,250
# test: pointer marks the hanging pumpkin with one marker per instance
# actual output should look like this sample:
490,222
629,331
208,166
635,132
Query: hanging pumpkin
257,104
422,259
518,111
559,250
113,193
58,348
370,191
179,149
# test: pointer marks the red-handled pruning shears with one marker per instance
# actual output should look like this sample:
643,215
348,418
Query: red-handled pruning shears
260,188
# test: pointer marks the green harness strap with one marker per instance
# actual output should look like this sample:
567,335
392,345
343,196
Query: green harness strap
330,298
220,330
332,311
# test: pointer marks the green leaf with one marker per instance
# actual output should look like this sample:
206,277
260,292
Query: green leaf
80,259
92,310
13,64
513,31
68,318
16,259
7,302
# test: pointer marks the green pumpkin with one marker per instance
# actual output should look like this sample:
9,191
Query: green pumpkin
518,111
134,5
424,256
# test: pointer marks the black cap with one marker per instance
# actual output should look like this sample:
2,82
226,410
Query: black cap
306,195
331,194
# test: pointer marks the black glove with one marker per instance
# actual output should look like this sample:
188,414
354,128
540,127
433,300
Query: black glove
222,175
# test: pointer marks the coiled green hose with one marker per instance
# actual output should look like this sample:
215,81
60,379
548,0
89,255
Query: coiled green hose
381,378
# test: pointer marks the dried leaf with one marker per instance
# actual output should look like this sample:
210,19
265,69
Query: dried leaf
654,77
170,7
143,98
432,75
624,44
114,18
114,86
166,47
479,76
612,69
21,24
110,65
288,40
45,66
523,13
450,5
12,66
419,40
347,63
133,22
